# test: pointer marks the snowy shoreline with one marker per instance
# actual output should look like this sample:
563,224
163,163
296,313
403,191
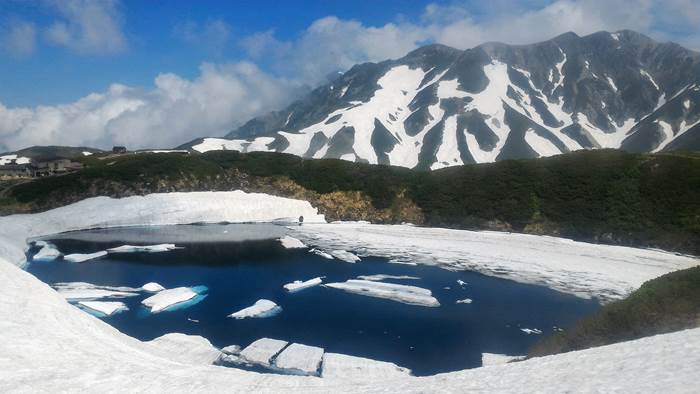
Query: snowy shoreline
37,322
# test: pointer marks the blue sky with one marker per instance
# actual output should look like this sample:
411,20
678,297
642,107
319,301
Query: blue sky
52,75
158,73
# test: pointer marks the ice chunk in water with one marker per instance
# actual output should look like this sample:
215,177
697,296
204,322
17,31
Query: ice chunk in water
168,298
48,252
298,285
261,308
344,255
82,257
291,242
143,249
152,287
401,293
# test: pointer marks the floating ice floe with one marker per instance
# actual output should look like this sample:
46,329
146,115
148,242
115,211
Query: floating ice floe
291,243
344,255
73,291
461,282
488,359
298,285
48,252
381,277
83,257
401,293
168,298
104,308
322,254
465,301
300,359
152,287
262,351
530,331
143,249
261,308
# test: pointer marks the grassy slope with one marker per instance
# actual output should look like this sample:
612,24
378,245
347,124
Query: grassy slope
604,195
665,304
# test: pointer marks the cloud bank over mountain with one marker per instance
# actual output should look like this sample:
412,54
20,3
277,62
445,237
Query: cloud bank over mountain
225,95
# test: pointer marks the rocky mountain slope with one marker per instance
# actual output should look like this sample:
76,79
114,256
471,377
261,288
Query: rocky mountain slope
439,106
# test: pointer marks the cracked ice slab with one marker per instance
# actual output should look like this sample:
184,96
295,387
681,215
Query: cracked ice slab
300,359
169,297
400,293
107,308
261,351
261,308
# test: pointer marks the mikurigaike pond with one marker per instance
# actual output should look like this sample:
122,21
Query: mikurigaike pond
231,267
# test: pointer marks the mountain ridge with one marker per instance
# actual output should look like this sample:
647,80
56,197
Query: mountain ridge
439,106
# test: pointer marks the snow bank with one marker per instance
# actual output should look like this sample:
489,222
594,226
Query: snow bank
298,285
167,298
155,209
351,367
47,344
143,249
488,359
6,159
300,359
83,257
261,308
291,242
189,349
401,293
583,269
106,308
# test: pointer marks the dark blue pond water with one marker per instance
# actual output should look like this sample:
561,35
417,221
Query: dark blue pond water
238,273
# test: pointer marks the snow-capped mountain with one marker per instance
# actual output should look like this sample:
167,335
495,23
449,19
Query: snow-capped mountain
440,106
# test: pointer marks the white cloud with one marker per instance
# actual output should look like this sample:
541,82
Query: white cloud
174,111
88,27
18,37
213,35
330,44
